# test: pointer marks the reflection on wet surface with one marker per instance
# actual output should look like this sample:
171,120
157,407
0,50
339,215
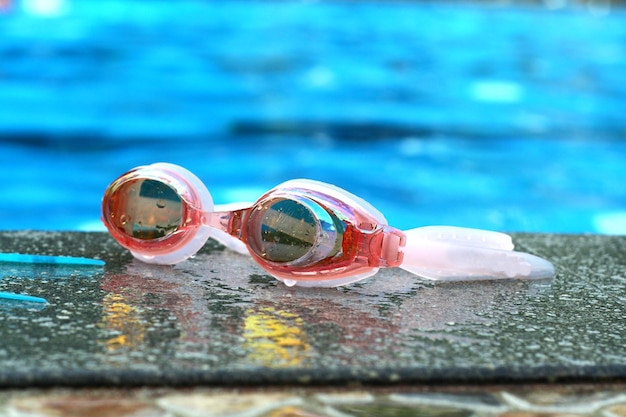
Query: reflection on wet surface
219,314
33,273
124,322
275,338
7,305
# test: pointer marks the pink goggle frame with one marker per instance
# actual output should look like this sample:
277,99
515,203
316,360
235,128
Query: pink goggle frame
302,232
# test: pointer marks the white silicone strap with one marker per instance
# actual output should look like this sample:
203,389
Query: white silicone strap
462,235
449,253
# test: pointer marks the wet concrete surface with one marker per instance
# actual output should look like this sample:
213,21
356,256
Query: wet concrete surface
218,319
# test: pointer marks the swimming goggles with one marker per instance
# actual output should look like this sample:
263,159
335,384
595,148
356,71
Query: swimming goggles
302,232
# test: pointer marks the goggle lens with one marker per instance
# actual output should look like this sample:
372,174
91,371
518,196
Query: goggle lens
145,209
294,231
287,230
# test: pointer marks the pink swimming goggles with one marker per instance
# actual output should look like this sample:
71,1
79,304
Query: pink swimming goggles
302,232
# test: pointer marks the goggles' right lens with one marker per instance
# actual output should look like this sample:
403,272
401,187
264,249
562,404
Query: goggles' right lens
296,231
287,231
144,209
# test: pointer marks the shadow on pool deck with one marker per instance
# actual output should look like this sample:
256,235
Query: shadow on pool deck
217,319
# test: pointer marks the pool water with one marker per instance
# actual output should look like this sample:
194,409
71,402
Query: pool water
504,118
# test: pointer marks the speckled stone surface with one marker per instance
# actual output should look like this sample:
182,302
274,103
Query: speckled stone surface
217,319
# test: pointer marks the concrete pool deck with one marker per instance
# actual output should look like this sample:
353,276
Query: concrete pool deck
216,336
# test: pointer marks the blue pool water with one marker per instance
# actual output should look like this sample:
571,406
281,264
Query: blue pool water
506,118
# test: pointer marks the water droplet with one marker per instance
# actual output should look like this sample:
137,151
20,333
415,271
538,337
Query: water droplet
161,204
124,219
290,282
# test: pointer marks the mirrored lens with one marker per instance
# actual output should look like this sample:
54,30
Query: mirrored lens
145,209
285,231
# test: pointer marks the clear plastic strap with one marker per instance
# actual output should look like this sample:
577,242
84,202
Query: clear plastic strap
448,253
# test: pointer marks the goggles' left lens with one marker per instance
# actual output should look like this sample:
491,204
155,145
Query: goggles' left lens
156,212
145,209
